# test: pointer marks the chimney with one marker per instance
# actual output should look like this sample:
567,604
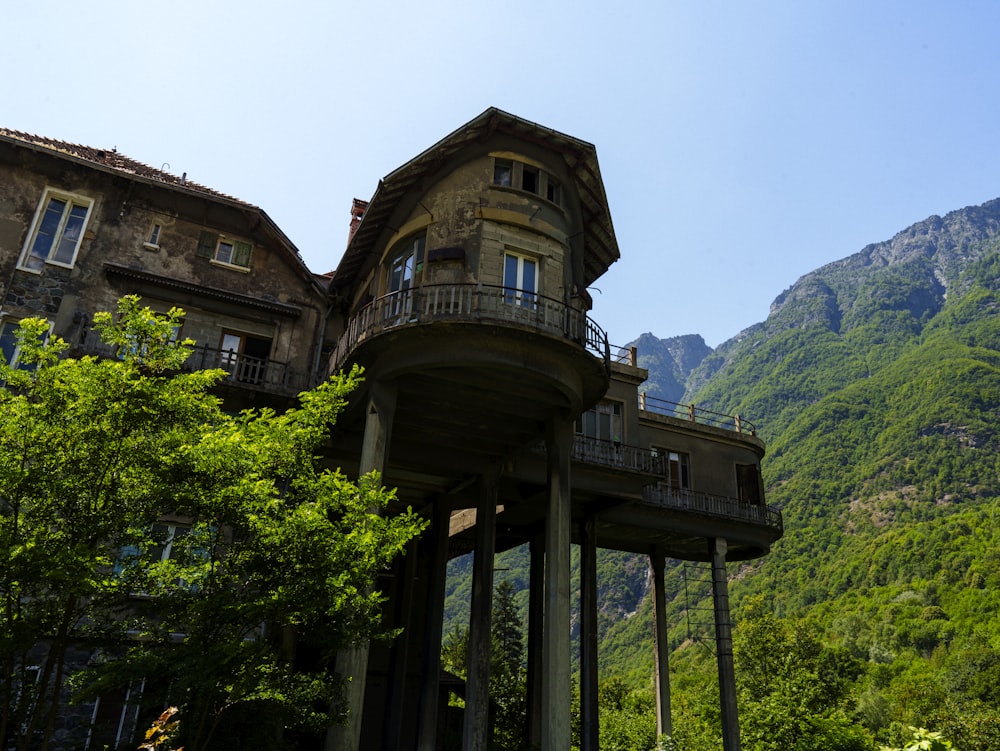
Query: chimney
358,208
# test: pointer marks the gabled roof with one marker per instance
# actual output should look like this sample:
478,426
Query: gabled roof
601,247
111,159
113,162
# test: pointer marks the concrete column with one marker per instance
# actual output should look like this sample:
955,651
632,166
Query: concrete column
590,729
353,663
475,733
717,548
536,604
400,655
430,660
555,630
664,726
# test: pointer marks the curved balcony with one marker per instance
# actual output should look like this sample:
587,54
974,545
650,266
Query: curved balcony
705,504
472,303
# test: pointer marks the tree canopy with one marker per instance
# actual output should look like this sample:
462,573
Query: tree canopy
148,537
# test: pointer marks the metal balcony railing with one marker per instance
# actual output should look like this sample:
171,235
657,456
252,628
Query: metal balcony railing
617,456
474,303
693,413
244,370
662,496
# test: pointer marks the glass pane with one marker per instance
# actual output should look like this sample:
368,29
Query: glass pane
501,173
8,341
510,272
230,349
71,235
46,234
604,427
528,276
224,253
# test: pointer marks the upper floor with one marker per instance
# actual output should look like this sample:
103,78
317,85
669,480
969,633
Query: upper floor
81,227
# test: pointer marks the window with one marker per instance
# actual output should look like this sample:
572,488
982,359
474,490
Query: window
244,356
602,423
553,191
503,172
529,179
153,239
748,484
56,231
233,253
520,279
406,265
9,344
675,468
508,173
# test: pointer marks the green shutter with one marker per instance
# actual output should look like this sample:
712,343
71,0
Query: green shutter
206,244
241,254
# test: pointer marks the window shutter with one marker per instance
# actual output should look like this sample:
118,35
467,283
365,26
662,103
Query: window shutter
206,244
241,254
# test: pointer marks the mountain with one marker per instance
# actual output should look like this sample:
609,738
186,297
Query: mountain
670,363
875,381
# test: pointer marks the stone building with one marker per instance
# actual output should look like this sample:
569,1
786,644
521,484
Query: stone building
492,400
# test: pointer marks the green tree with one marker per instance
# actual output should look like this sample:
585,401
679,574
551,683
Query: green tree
793,694
508,678
273,573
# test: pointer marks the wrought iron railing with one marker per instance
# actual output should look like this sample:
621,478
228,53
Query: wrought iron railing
470,302
253,372
663,496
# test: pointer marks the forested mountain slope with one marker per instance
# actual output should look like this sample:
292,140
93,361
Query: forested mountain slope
876,383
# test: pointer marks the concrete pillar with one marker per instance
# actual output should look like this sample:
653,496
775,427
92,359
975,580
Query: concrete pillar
536,604
476,729
399,657
353,663
717,548
664,726
590,729
430,659
555,630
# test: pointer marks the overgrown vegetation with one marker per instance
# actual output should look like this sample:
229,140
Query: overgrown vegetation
147,537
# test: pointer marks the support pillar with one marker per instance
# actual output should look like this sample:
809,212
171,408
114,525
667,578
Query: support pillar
556,626
430,660
717,549
664,726
353,663
590,729
475,733
536,604
400,655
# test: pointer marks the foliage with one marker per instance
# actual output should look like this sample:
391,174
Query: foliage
923,740
105,466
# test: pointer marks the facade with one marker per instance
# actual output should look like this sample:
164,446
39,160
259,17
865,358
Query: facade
491,400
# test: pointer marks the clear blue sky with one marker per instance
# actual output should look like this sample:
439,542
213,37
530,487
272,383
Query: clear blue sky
742,144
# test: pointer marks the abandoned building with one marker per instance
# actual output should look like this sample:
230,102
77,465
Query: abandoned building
492,401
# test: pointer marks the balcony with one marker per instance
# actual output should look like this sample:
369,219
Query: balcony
262,374
470,303
675,499
616,456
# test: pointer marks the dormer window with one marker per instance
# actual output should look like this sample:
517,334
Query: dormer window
511,173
